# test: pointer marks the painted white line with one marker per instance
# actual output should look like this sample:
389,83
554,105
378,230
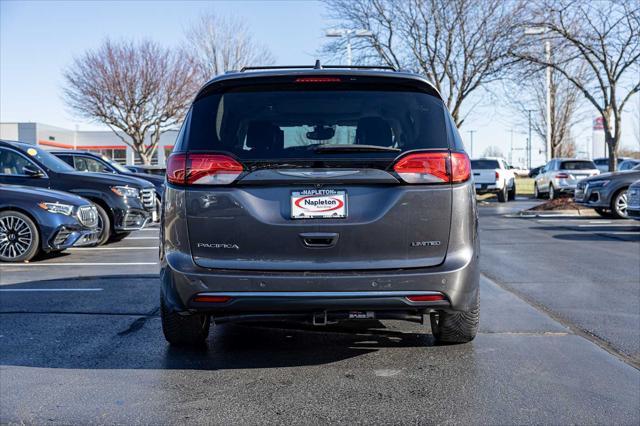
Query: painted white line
52,289
627,225
111,248
141,238
83,264
620,233
149,230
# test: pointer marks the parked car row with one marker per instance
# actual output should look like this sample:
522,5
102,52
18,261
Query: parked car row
606,192
48,205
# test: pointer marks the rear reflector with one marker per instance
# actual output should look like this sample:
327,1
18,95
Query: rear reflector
211,299
562,176
317,80
426,298
434,167
202,169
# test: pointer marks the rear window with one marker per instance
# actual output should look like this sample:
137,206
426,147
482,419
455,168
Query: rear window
484,164
601,161
577,165
291,124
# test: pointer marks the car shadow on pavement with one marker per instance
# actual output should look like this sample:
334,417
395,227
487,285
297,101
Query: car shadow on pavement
118,327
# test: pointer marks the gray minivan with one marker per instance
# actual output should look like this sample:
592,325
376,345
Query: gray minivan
318,195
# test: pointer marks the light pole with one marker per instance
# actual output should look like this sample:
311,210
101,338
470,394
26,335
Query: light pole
529,111
349,34
547,51
471,132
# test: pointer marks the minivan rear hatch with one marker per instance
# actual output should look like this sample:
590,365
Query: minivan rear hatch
317,173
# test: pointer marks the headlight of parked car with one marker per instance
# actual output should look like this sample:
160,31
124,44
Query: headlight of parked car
64,209
126,191
598,183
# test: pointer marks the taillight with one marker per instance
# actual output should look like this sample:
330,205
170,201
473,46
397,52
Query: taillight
562,176
497,175
202,169
426,298
434,167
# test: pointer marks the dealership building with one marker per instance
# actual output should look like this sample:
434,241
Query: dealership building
101,142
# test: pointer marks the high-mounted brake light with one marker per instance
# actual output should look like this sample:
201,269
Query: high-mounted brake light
317,80
434,167
426,298
202,169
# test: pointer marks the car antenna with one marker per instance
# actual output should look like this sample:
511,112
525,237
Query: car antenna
317,66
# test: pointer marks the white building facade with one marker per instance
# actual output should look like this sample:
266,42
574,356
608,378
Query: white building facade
101,142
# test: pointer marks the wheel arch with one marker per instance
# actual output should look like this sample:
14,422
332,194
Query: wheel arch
43,243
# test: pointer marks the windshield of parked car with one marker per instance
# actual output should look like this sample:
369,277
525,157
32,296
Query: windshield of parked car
119,167
292,124
577,165
484,164
49,160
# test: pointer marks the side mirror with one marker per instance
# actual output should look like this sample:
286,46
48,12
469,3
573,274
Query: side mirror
32,172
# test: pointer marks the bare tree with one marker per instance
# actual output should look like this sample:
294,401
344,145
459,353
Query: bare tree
217,44
493,151
460,45
604,35
139,90
529,83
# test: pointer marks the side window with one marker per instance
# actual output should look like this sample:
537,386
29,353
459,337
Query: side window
180,143
66,158
86,164
12,163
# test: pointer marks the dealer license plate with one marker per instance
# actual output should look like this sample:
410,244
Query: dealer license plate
318,204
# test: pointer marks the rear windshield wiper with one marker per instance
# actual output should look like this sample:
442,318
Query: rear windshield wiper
353,148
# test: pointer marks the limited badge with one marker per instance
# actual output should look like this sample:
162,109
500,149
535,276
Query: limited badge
32,152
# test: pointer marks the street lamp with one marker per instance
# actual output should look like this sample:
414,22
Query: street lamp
471,132
547,50
349,34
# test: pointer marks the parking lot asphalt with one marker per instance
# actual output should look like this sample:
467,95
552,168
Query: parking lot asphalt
80,342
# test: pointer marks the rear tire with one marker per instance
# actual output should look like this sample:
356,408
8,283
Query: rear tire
19,237
536,193
104,224
512,192
552,192
503,195
184,330
458,326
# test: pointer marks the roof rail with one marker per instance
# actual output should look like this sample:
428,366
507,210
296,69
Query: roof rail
318,66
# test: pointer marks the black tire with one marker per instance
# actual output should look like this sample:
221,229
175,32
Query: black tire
184,330
536,193
603,212
457,326
512,192
19,237
552,192
619,204
119,236
503,194
105,224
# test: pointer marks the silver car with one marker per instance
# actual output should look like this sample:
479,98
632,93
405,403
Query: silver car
561,175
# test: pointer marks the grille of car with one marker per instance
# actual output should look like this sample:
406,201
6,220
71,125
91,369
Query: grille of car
633,197
581,185
88,216
148,198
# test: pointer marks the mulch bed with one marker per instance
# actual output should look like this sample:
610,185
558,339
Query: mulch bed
563,203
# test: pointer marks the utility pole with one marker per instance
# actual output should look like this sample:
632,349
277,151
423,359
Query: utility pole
529,111
547,49
471,132
348,34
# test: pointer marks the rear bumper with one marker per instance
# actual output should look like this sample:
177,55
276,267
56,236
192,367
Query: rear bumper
277,293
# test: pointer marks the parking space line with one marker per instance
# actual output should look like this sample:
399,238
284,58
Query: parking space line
51,289
141,238
84,264
593,225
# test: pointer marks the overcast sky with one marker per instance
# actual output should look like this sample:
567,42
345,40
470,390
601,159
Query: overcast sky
39,39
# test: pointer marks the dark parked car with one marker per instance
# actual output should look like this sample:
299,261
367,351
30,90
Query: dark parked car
147,170
34,220
607,193
633,201
84,161
124,203
319,195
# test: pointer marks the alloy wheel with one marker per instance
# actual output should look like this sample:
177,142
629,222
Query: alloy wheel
621,204
16,237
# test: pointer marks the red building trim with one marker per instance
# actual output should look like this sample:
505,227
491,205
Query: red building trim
80,147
